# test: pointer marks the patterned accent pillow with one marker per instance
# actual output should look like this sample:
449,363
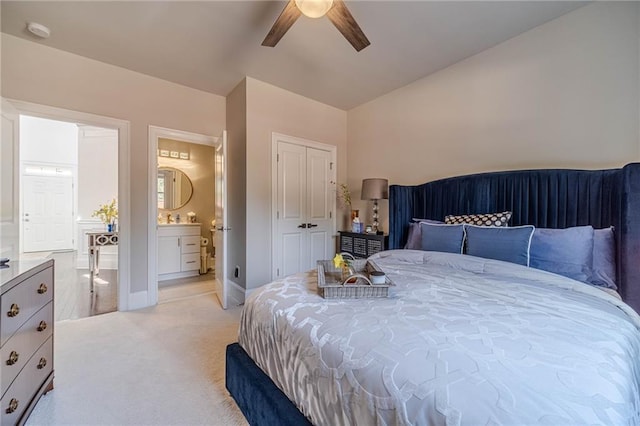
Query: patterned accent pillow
488,219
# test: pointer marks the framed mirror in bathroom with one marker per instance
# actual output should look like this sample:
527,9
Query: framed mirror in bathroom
174,188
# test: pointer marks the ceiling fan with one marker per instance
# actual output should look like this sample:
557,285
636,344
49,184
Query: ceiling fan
335,10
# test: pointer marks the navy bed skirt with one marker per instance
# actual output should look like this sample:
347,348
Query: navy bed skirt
259,399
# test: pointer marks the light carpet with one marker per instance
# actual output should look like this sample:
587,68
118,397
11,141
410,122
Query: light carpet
156,366
183,290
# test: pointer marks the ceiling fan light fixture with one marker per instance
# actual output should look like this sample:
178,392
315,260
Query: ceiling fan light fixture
314,8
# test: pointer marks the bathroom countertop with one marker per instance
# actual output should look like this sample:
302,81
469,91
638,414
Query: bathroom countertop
179,224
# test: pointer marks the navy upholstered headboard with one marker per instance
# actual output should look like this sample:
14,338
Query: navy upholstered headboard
551,198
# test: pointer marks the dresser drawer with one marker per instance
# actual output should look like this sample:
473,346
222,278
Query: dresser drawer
27,384
18,349
190,244
24,300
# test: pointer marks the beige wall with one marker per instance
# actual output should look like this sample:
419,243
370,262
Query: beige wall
237,182
36,73
564,94
271,109
200,169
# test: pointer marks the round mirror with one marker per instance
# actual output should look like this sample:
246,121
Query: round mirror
174,188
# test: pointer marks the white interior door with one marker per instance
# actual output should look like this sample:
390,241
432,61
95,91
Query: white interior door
222,230
48,213
9,179
292,239
304,204
319,206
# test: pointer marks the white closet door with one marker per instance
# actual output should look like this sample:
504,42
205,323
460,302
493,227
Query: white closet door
319,204
292,245
304,202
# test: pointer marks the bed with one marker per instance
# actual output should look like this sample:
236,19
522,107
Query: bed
461,340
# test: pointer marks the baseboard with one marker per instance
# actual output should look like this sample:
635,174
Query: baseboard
248,292
236,293
176,275
138,300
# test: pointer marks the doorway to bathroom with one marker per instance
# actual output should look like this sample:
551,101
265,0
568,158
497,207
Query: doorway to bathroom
183,229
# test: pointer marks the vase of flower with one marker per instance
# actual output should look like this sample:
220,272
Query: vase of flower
108,213
347,271
345,266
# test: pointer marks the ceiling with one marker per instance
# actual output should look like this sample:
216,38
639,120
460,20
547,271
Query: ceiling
212,45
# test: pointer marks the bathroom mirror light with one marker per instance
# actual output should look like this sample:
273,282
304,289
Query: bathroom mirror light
174,188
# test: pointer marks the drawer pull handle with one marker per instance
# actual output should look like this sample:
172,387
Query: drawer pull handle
42,289
42,364
13,311
13,358
42,326
13,406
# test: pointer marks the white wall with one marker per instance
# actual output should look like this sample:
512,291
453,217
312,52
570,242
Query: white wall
564,94
97,169
271,109
48,141
40,74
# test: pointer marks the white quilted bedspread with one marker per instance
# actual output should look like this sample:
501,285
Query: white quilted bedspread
461,341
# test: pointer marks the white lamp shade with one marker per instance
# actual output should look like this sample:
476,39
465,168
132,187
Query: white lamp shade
375,189
314,8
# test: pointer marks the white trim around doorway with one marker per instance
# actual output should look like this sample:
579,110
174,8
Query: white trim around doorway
156,133
126,300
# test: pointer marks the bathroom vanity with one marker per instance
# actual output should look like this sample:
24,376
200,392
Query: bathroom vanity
178,250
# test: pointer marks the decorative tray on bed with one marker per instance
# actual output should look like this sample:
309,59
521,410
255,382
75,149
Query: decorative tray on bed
333,283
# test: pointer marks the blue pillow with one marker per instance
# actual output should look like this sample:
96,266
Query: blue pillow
440,237
567,252
500,243
603,272
414,237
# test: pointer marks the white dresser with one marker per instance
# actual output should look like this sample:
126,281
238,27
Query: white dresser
178,250
26,330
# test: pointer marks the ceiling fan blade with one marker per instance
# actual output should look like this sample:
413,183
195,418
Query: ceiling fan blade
347,25
287,17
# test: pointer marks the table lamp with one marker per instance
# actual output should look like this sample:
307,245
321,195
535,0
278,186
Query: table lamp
375,189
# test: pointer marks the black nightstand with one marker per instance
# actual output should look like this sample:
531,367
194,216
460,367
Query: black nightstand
362,245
